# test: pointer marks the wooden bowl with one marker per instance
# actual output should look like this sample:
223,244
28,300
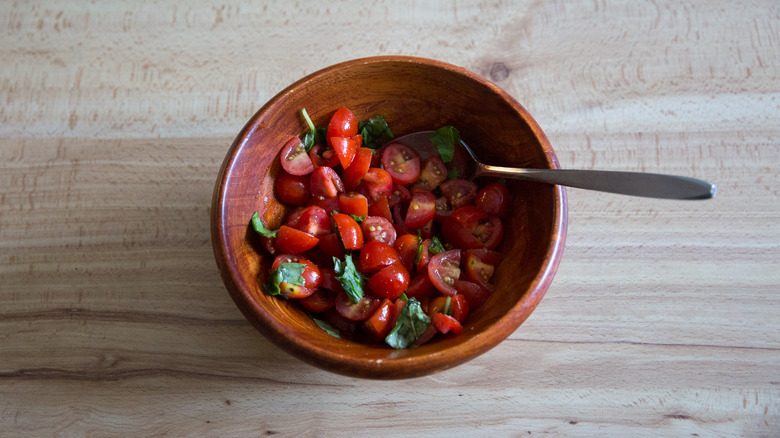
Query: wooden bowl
412,94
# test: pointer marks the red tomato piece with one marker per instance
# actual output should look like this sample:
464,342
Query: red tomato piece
398,195
345,327
378,324
445,324
401,162
353,175
312,219
330,245
380,208
422,207
433,173
325,182
481,229
321,300
494,199
322,155
292,189
359,311
459,307
311,276
290,240
475,294
406,246
420,287
459,192
353,203
376,255
479,265
349,231
342,124
390,282
443,209
425,256
377,183
294,158
378,228
329,204
444,271
346,148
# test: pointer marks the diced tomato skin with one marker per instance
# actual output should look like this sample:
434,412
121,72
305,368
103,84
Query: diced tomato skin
329,204
325,182
294,158
398,306
459,307
378,228
479,265
343,123
445,324
377,183
346,148
398,195
294,241
321,300
425,257
378,324
390,282
353,203
475,294
311,219
380,208
353,175
420,287
376,255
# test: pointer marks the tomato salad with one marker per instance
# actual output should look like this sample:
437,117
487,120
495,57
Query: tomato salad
380,244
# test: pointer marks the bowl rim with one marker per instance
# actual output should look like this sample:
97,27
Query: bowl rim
390,368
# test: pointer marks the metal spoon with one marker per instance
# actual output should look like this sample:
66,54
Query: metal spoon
650,185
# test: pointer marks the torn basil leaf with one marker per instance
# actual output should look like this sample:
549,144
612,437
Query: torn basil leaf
445,139
290,273
412,323
435,247
375,132
329,329
314,135
358,219
348,276
259,227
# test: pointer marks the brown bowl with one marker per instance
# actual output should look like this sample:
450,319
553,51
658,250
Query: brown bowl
412,94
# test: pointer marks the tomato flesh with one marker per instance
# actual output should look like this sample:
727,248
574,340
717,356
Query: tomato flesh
494,199
349,231
378,228
290,240
445,324
353,203
356,311
401,162
422,208
294,158
325,182
376,255
444,271
342,124
292,189
390,282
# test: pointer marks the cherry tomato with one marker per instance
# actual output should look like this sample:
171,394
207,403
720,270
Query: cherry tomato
479,264
378,324
401,162
292,189
349,231
445,324
494,199
353,203
422,207
406,246
321,300
398,195
329,204
390,282
437,305
425,256
342,124
475,294
322,155
459,192
375,255
331,245
426,336
346,148
353,175
433,173
376,184
398,306
359,311
420,287
294,158
471,228
378,228
345,327
459,307
312,219
380,208
311,276
325,182
290,240
444,271
443,209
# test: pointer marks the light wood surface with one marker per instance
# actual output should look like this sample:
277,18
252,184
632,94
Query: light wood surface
663,319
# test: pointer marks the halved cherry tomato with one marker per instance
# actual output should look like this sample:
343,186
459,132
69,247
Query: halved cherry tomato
345,327
437,305
353,175
398,306
390,282
378,324
444,271
445,324
426,336
321,300
311,276
353,311
294,158
325,182
380,208
329,204
494,199
378,228
475,294
459,307
353,203
345,148
321,155
290,240
330,244
377,183
479,264
459,192
342,124
433,173
349,231
470,228
375,255
422,207
312,219
420,287
292,189
401,162
399,194
406,246
424,256
443,209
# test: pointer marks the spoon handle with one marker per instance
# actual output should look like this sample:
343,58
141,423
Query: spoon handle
649,185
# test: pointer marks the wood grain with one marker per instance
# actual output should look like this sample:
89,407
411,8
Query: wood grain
662,319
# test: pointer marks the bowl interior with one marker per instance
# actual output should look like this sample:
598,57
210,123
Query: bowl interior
412,94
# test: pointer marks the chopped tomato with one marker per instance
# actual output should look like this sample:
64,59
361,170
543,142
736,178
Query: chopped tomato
356,311
378,228
294,158
342,124
312,219
401,162
459,192
445,324
345,148
479,264
290,240
378,324
311,276
330,245
329,204
375,255
407,246
292,189
475,294
325,182
321,300
380,208
422,207
353,203
420,287
377,184
444,271
494,199
459,307
322,155
471,228
398,195
349,231
353,175
390,282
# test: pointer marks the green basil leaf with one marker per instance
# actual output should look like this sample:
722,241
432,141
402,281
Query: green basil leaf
358,219
329,329
257,225
290,273
453,173
375,132
435,247
314,135
419,248
412,323
447,310
348,276
445,139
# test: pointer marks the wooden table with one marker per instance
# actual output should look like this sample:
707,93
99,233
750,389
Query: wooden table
663,319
